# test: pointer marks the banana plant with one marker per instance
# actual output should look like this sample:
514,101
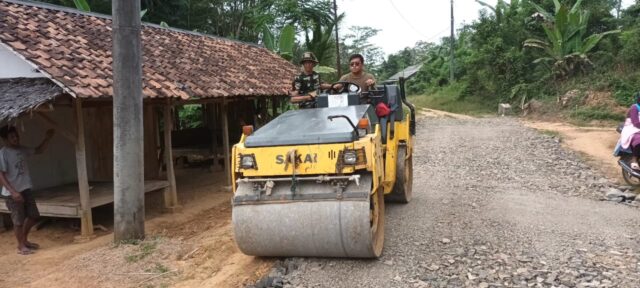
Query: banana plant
567,45
284,45
319,40
82,5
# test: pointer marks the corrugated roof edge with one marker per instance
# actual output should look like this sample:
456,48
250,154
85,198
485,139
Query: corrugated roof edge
104,16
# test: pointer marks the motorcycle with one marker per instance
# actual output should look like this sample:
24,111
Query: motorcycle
630,176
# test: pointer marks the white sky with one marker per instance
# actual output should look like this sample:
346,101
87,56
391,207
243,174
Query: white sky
426,20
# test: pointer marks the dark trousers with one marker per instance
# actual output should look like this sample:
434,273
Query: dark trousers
20,211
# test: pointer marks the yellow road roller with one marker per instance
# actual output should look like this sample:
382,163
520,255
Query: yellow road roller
313,182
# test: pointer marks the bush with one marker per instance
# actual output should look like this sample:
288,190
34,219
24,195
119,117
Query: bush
630,54
596,113
453,99
625,88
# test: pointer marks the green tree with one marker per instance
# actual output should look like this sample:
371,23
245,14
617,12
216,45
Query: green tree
630,52
397,62
236,19
358,40
503,11
491,60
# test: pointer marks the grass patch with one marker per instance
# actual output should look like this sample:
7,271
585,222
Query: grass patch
126,242
550,133
161,285
145,249
159,269
586,114
449,99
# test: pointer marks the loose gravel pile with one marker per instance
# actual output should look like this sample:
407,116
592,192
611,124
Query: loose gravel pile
495,205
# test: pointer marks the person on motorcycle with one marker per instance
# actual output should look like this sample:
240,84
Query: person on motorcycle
630,134
306,85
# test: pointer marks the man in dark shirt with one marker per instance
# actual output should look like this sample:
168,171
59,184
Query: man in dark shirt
357,74
306,85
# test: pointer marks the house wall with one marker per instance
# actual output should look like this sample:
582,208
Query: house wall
57,165
14,66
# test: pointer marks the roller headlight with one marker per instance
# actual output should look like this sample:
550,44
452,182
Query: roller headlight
350,157
247,162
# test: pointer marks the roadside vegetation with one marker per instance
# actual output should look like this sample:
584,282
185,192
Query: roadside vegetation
447,99
522,52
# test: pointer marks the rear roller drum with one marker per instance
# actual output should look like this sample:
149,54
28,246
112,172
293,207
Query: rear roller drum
403,187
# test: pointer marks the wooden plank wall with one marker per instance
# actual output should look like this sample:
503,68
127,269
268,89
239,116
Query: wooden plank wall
99,142
99,134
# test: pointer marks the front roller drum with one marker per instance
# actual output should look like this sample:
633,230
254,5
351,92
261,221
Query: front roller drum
313,221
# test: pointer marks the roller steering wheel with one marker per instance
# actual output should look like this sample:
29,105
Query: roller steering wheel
345,87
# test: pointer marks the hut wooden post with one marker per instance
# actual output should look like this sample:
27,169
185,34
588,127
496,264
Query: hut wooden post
170,193
86,219
264,112
255,110
213,117
225,142
274,107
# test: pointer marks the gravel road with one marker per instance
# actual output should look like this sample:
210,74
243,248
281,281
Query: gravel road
495,205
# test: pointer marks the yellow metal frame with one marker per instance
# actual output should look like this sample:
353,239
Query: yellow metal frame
321,159
402,136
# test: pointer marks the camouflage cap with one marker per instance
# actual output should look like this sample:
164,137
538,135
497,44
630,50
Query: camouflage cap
308,57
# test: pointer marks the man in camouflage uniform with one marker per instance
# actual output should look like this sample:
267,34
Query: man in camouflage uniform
306,85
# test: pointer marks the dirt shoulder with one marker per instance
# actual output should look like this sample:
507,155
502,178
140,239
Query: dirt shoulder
433,113
595,144
190,248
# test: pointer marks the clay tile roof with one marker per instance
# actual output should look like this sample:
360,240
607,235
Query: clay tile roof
74,48
22,94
